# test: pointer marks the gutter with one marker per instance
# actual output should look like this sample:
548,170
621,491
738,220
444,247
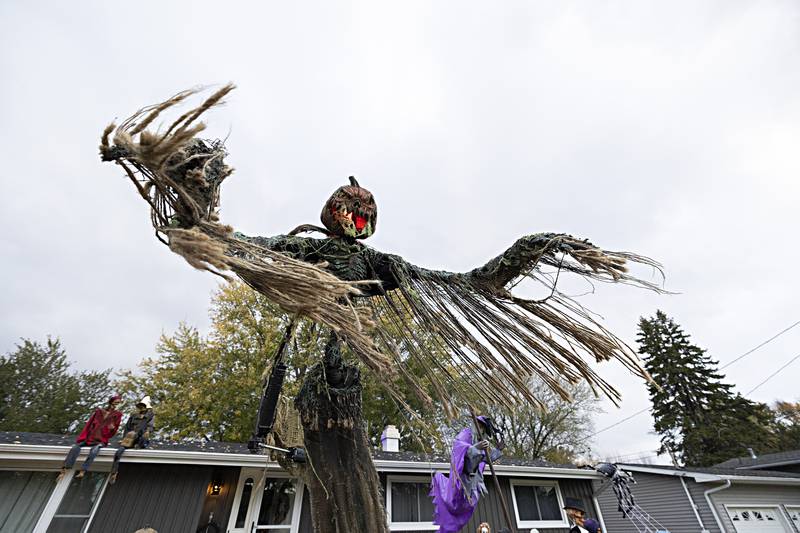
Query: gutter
55,453
708,493
37,452
389,465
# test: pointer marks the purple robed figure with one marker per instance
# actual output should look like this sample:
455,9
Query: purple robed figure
455,497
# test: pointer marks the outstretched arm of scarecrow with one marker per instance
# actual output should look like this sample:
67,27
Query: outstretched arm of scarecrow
525,256
558,250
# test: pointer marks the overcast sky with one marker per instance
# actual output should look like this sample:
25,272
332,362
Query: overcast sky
671,129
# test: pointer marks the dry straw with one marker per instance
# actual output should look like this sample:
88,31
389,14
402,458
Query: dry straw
478,343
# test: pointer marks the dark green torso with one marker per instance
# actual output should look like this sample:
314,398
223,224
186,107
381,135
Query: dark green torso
347,259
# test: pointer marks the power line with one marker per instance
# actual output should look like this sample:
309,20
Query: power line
748,352
760,345
631,454
615,424
792,360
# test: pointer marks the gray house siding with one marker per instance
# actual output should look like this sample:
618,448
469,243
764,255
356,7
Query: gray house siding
490,510
664,499
753,495
698,490
167,498
218,508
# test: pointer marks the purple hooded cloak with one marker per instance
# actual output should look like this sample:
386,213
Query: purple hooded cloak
452,509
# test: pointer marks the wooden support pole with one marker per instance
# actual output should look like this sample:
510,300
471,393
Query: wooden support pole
486,453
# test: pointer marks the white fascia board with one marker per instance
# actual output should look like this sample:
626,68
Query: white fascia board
764,480
56,454
669,472
701,477
36,452
386,465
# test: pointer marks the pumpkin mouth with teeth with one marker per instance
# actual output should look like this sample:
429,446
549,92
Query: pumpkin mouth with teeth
350,212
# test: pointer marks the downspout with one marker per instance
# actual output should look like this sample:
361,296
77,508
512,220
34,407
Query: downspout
713,509
694,507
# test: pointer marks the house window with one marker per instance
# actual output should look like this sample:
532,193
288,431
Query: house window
407,503
538,504
757,519
23,496
266,502
244,503
277,505
77,504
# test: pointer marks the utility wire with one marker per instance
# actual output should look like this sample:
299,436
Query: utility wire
760,345
792,360
615,424
631,454
748,352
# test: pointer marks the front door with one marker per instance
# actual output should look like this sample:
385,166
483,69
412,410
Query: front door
267,502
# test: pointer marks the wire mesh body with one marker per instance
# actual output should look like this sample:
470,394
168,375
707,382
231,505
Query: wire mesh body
621,482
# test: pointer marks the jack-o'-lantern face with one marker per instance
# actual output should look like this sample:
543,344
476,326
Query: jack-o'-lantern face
350,212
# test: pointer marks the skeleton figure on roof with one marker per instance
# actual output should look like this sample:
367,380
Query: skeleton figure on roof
494,341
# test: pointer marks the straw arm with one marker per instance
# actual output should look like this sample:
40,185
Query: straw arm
525,255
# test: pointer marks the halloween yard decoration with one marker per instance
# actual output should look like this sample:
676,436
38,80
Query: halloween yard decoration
456,495
495,340
99,429
620,481
138,428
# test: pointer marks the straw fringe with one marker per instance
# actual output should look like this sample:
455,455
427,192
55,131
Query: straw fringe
177,174
480,344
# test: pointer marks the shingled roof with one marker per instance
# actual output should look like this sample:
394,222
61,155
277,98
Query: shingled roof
50,439
717,471
790,457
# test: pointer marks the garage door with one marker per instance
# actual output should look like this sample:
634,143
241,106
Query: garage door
757,520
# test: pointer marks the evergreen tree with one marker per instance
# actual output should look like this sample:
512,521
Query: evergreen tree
38,392
696,414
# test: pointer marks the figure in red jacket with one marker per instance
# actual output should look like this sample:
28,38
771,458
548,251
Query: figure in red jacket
102,425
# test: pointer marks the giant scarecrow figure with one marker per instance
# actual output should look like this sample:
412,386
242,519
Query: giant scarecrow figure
495,341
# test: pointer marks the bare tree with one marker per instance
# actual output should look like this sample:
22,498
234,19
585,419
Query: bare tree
558,430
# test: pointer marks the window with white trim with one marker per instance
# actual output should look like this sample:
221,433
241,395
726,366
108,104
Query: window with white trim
538,503
276,509
76,506
407,503
244,504
23,496
753,515
266,502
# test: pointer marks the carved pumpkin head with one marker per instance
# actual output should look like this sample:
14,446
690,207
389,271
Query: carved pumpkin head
350,212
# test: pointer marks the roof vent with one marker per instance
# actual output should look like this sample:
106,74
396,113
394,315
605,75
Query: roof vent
390,439
752,453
